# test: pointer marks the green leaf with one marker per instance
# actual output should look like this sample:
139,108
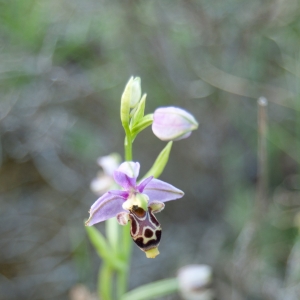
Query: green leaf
160,162
112,233
105,279
103,249
141,125
138,112
153,290
98,241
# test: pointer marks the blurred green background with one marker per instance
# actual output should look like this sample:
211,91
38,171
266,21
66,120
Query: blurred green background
63,67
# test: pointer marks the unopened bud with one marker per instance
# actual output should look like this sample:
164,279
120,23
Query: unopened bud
195,282
173,123
136,92
130,98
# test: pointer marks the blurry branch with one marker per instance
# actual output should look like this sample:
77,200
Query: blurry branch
243,251
243,87
262,167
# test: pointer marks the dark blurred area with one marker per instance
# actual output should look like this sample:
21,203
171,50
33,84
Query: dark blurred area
63,67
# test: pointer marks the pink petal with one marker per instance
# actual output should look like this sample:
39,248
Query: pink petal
143,184
161,191
130,168
124,181
123,194
104,208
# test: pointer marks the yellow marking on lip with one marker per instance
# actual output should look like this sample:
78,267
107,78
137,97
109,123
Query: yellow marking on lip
152,253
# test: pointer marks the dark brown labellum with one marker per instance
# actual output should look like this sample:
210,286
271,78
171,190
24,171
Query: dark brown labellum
145,229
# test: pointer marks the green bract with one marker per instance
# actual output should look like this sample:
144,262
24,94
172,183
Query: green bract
141,125
160,162
130,98
139,112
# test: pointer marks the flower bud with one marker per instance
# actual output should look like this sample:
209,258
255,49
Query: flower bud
130,98
132,92
195,282
136,92
173,123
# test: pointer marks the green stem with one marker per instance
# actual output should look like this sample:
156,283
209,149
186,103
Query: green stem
122,275
113,235
128,146
127,242
105,282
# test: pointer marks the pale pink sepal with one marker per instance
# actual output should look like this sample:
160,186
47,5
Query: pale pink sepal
130,168
144,183
104,208
161,191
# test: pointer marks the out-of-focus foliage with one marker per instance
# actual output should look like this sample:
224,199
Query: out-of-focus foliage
63,67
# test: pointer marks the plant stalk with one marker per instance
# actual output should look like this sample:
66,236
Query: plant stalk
262,172
128,146
122,275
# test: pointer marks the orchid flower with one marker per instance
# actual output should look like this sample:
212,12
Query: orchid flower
136,203
104,180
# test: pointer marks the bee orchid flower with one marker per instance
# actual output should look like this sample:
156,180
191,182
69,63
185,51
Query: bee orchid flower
135,203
